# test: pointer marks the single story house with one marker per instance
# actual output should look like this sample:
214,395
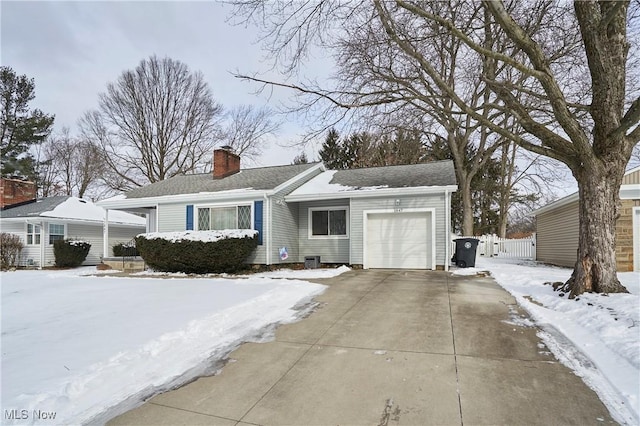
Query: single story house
382,217
557,228
41,222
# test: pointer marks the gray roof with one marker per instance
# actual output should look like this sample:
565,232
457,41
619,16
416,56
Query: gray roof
34,208
436,173
262,178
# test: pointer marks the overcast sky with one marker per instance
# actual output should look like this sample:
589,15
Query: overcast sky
73,49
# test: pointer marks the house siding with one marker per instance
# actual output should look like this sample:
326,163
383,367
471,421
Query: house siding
87,232
93,234
330,250
631,178
285,232
558,230
358,206
172,218
557,235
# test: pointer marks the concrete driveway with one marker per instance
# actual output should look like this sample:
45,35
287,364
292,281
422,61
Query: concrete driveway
389,347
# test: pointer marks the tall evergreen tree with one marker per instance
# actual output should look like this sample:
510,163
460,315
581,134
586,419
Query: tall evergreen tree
331,152
20,126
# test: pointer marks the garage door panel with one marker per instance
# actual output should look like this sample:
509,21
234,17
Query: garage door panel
399,240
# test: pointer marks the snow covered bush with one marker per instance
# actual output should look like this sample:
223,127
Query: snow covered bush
70,253
10,248
197,252
125,249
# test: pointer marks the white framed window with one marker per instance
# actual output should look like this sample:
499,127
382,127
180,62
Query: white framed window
33,234
217,218
56,232
329,222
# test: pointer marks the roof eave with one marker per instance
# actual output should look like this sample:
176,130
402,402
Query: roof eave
627,192
370,193
163,199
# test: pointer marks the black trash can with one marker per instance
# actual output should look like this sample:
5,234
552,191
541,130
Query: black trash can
465,255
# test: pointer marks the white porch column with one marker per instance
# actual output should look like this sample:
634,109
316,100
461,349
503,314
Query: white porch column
105,234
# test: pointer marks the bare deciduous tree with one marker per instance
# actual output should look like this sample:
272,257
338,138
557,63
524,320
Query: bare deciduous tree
248,130
563,81
70,165
153,123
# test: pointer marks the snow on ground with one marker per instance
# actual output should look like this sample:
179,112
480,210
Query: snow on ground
598,336
81,345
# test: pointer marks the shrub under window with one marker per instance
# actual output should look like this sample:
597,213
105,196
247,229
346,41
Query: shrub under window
70,253
197,252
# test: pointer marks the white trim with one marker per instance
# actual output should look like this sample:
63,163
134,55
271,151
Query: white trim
447,228
231,196
627,192
266,209
366,213
630,191
297,177
370,193
74,221
635,211
310,235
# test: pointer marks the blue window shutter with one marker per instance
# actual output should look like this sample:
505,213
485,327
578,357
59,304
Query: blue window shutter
257,219
190,217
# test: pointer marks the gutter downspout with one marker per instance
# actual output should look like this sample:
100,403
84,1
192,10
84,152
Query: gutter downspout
267,214
447,225
105,235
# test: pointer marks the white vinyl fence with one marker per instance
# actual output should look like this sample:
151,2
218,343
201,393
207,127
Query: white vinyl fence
492,246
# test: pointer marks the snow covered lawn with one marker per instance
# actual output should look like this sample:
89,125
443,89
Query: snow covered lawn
598,336
77,346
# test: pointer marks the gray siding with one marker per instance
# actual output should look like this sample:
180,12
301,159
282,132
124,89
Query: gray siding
284,220
329,250
359,205
173,218
557,235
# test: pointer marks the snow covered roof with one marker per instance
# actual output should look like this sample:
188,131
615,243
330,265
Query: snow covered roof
257,179
393,178
69,208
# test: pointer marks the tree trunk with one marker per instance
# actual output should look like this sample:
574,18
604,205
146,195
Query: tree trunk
595,269
467,206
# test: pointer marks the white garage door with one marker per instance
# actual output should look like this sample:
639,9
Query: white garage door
398,240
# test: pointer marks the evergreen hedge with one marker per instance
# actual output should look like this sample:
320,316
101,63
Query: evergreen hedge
197,257
125,250
70,253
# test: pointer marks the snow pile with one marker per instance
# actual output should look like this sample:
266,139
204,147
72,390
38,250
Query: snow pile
598,336
204,236
76,208
78,243
321,184
89,348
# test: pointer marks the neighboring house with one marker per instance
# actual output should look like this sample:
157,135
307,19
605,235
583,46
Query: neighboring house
557,228
41,222
383,217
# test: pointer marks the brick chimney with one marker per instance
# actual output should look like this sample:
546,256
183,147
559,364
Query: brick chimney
15,191
225,162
